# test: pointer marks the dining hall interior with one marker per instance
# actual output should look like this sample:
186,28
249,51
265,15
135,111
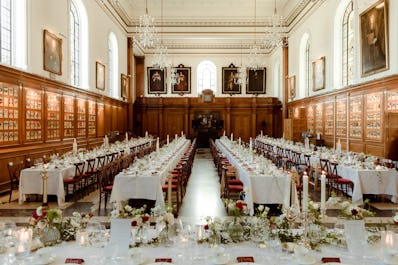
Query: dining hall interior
209,113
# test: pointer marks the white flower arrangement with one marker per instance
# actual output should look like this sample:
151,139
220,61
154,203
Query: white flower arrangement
123,210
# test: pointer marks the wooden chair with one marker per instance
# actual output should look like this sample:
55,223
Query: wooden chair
233,186
75,181
340,183
14,171
105,181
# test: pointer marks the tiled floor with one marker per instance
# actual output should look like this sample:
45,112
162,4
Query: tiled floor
202,199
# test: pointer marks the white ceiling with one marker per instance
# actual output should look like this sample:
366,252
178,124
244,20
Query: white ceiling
202,25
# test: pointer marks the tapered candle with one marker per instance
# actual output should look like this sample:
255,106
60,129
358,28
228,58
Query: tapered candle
168,139
305,192
232,136
157,144
323,191
293,189
127,137
169,182
251,144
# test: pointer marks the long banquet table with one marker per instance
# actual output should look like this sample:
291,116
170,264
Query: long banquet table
260,188
192,254
147,183
31,180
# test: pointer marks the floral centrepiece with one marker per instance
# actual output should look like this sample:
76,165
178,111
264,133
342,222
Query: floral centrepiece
349,210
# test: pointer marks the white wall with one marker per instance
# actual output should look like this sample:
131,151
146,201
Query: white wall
321,32
220,61
54,16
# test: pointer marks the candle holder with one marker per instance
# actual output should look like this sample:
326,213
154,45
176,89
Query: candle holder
45,178
305,224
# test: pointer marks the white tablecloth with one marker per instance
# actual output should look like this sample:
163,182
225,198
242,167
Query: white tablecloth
192,254
370,182
261,189
31,182
147,184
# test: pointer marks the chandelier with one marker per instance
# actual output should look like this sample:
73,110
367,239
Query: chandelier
254,59
275,36
146,31
161,56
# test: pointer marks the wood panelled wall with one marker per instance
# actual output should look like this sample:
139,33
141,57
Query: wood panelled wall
245,117
364,116
107,115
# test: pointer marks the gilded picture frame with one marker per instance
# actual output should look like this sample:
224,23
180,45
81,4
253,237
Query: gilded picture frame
124,85
256,81
373,24
52,53
183,85
156,80
230,84
318,74
291,87
99,75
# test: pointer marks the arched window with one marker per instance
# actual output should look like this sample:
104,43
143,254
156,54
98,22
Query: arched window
305,66
78,42
74,45
206,76
113,65
13,33
348,45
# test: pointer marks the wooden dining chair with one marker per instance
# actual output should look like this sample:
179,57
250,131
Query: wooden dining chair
14,171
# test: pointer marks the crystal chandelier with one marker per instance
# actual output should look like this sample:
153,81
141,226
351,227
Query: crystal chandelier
146,31
254,59
173,78
275,36
161,57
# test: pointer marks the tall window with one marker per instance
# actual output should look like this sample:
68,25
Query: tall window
307,68
13,32
78,44
206,76
113,65
74,45
348,45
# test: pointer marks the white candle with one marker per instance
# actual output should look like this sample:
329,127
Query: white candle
239,140
146,134
251,144
232,136
305,192
168,139
182,133
170,179
81,238
157,144
175,136
261,133
323,191
293,189
224,133
127,137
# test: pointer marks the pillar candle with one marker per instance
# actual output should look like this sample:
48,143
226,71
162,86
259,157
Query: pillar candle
261,133
323,191
305,192
146,134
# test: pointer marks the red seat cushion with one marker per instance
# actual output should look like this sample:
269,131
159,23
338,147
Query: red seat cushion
108,188
69,180
343,181
235,187
165,187
299,187
235,182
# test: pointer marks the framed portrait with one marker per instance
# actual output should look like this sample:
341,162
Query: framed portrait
230,84
183,85
256,81
100,75
124,85
291,87
374,39
318,74
52,53
156,81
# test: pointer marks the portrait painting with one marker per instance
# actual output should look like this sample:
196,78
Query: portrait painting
374,39
256,81
100,75
156,81
230,79
183,85
124,85
291,87
318,74
52,53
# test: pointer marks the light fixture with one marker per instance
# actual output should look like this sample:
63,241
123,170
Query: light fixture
146,31
254,59
275,36
161,56
241,70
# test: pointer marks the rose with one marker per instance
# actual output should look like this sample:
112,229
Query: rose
240,205
145,218
206,227
134,223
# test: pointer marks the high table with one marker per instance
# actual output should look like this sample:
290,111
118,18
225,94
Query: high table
259,188
146,182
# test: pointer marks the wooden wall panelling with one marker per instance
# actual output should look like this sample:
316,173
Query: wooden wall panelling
392,135
240,124
114,126
11,113
34,113
139,76
355,129
107,118
100,120
173,122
